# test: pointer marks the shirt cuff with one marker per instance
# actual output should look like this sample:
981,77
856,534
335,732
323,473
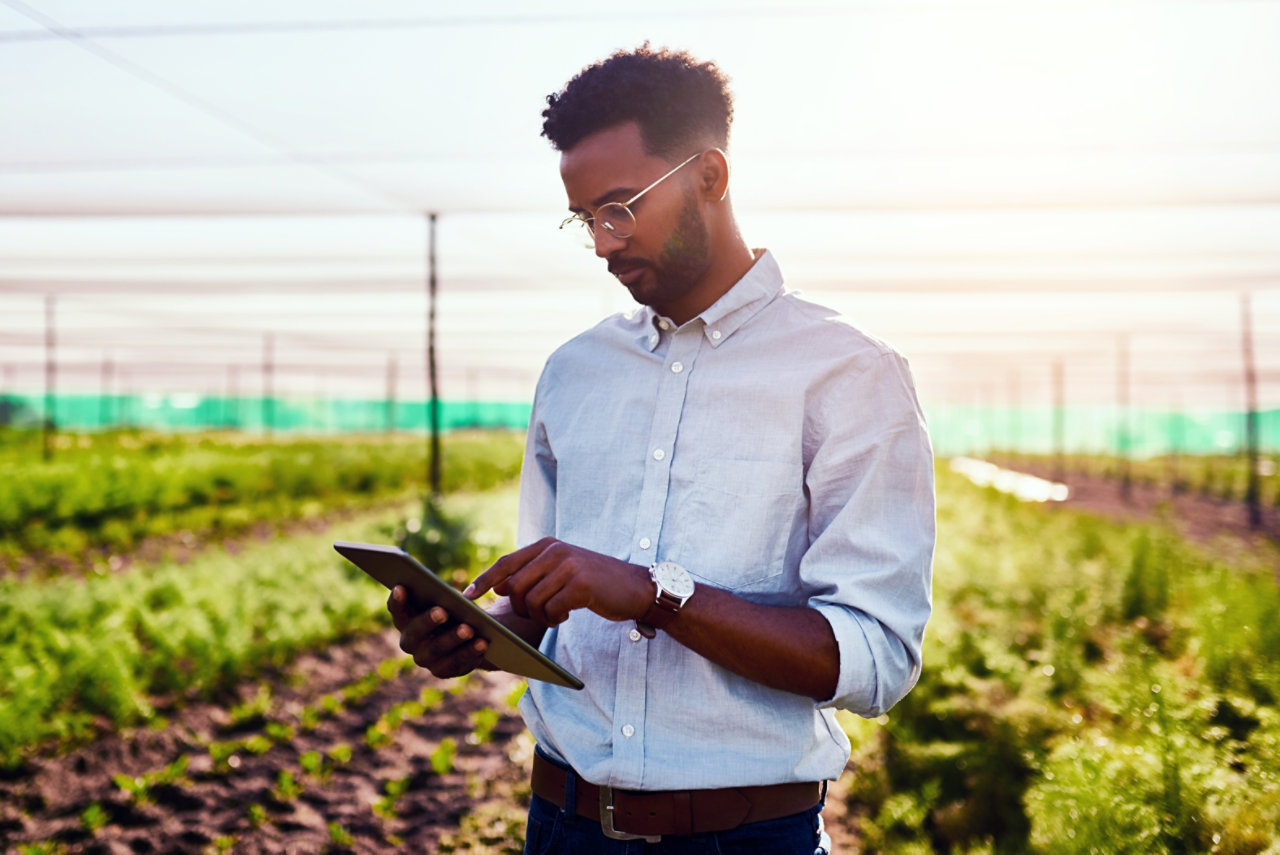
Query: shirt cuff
876,670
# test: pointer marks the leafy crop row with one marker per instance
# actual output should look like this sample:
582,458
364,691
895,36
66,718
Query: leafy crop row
80,650
1088,687
112,494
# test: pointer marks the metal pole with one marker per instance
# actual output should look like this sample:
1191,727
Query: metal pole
391,392
1122,433
1015,415
105,408
433,403
50,375
1175,446
233,396
1059,423
268,404
1253,492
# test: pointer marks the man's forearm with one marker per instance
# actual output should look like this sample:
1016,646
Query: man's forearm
787,648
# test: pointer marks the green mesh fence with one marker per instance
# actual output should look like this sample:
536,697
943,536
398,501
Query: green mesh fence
955,429
1097,430
192,412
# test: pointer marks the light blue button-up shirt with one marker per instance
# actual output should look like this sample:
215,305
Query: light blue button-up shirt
772,450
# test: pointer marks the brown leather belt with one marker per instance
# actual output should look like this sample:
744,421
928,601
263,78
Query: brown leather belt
626,814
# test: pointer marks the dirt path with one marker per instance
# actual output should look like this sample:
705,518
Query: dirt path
1196,517
211,781
255,785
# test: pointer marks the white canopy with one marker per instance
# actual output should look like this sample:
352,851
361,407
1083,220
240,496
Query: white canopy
992,186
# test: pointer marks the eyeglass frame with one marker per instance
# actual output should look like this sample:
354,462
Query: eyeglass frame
587,221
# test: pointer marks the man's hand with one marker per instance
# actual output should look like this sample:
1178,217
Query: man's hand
547,580
436,642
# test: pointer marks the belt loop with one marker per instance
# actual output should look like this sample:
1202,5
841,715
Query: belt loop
570,795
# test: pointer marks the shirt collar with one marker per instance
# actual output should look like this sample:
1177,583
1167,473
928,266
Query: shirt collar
755,290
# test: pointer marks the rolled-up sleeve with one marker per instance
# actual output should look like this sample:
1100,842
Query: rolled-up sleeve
872,530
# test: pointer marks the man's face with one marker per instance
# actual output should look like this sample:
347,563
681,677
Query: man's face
662,263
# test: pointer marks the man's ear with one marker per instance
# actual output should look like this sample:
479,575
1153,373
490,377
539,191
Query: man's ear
713,174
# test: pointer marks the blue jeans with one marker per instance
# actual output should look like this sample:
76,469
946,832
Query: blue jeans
553,831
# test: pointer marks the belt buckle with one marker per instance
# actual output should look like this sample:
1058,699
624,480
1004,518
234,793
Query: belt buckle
606,820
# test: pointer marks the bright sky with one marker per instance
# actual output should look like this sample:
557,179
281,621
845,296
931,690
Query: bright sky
992,186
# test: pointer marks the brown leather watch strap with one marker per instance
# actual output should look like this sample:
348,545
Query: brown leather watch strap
656,617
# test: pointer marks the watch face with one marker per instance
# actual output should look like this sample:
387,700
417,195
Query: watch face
674,578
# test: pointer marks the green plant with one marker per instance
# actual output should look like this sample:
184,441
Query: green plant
287,787
312,763
340,754
94,818
484,720
385,806
222,843
1035,727
442,757
339,836
253,712
81,651
112,490
444,542
140,788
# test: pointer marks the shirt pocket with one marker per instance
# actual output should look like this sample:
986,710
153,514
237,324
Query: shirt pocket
738,519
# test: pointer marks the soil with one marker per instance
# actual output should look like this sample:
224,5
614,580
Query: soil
242,808
477,806
1198,518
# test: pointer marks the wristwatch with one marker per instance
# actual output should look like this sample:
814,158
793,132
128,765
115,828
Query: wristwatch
675,587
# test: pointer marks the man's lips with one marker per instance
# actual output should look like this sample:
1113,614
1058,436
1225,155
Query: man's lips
628,272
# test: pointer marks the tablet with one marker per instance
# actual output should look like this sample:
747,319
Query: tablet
507,651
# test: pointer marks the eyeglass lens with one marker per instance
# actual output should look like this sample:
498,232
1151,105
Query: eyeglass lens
615,218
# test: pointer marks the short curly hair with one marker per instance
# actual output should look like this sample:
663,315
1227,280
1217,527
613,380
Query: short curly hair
680,103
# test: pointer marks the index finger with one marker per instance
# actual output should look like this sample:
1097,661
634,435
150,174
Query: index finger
505,567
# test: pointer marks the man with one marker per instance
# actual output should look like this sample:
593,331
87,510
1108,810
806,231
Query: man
726,507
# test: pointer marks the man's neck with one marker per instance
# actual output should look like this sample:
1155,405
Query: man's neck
731,262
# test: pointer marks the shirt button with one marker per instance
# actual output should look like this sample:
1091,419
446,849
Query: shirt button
628,731
634,635
677,367
658,454
653,339
715,334
663,325
645,543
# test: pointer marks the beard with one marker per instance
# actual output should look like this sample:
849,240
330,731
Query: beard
684,257
681,264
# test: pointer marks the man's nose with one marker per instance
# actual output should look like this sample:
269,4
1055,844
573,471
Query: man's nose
607,242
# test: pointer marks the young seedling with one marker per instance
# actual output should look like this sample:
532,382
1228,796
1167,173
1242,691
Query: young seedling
339,836
94,818
287,787
485,720
442,757
312,763
385,807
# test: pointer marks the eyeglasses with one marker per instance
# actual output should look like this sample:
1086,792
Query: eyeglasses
616,217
